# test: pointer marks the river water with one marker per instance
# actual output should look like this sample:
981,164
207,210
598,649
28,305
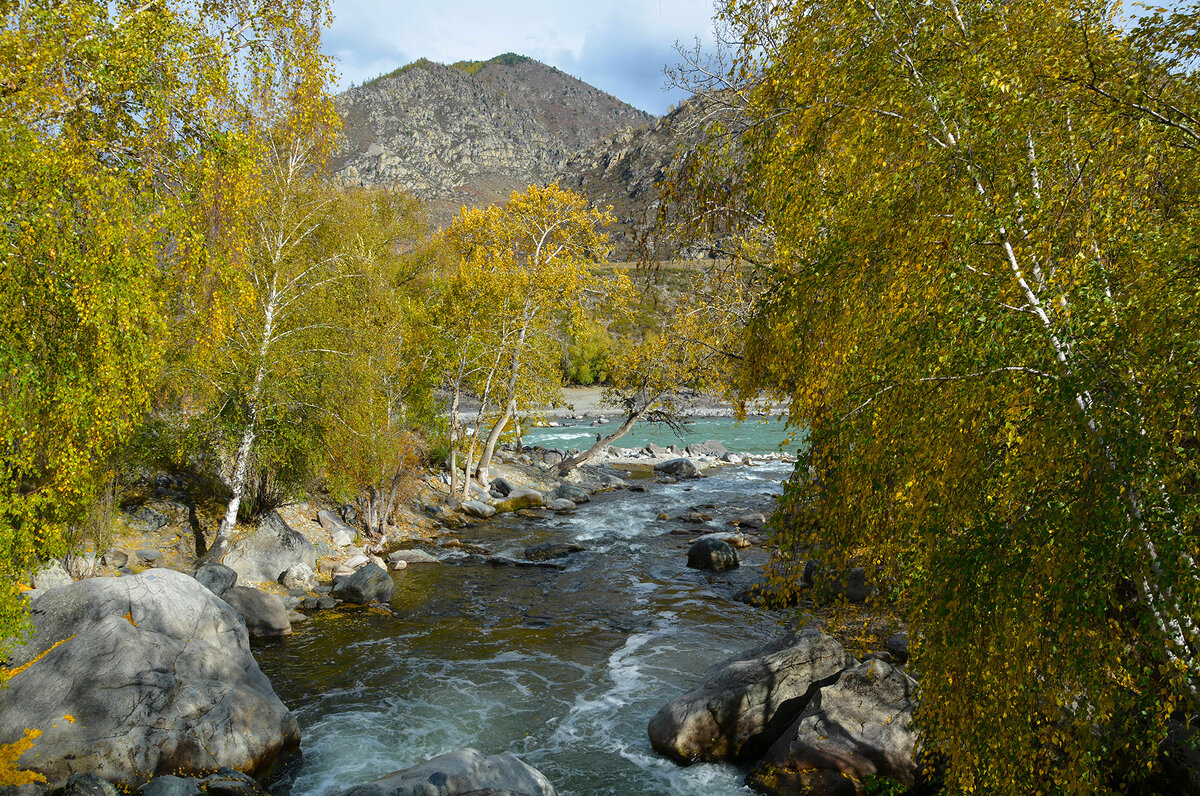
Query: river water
563,668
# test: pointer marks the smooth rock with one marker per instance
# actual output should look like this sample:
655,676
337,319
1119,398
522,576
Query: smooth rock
51,576
267,553
678,468
859,726
501,487
737,540
88,784
466,771
369,583
81,566
748,702
713,554
399,565
477,508
115,558
354,562
755,521
264,613
520,499
217,578
710,448
413,556
149,555
561,504
299,577
180,689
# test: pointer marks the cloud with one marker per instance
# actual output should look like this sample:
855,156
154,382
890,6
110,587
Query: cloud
620,46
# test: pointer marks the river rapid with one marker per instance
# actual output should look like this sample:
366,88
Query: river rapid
563,668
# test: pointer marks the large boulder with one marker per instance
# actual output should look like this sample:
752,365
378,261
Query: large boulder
748,702
466,771
520,499
713,554
267,553
369,583
264,613
859,726
678,468
710,448
413,556
298,577
137,676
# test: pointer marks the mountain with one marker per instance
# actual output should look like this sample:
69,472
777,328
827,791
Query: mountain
472,132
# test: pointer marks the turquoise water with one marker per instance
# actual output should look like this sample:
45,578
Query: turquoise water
750,436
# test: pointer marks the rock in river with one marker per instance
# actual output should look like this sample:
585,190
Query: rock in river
264,613
368,584
466,771
860,725
748,702
548,550
520,499
155,674
679,468
713,554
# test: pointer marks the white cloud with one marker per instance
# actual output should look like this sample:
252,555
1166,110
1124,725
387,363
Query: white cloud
619,46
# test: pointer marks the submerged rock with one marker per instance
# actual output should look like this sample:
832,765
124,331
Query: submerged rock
466,771
747,703
713,554
155,674
548,550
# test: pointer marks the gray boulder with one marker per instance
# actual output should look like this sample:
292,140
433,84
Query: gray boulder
561,504
413,556
368,584
264,613
157,674
115,558
710,448
87,784
267,553
520,499
570,492
477,508
747,702
713,554
466,771
678,468
217,578
51,576
859,726
299,577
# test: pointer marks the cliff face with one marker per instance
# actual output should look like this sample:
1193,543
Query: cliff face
472,133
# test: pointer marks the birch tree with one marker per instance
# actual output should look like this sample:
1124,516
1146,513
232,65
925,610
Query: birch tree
532,254
983,306
117,122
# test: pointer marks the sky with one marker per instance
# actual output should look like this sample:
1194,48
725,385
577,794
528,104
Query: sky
619,46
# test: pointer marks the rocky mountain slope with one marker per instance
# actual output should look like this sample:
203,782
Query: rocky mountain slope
472,132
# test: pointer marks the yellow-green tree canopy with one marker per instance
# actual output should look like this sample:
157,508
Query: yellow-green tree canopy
119,124
985,307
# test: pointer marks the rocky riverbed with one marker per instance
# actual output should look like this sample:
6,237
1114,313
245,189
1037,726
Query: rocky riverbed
562,622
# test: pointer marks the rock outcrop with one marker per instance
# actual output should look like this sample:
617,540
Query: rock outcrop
270,551
859,726
748,702
141,675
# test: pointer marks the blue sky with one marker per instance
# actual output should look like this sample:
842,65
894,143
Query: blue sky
620,46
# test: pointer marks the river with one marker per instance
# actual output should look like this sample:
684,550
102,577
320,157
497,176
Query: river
562,668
